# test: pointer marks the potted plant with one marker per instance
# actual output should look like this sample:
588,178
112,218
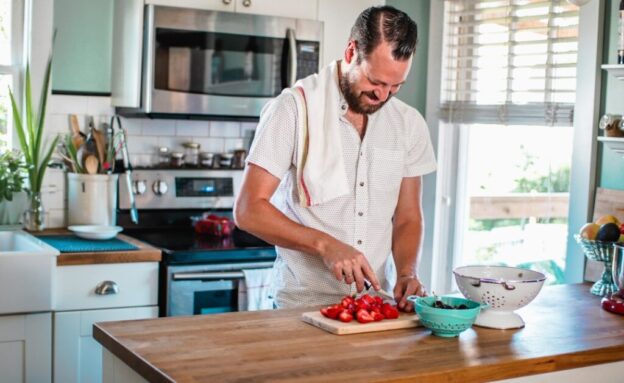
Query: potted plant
13,172
29,126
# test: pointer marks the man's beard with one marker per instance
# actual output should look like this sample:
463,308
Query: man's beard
354,101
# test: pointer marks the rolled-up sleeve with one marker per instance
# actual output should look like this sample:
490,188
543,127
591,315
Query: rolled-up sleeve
274,142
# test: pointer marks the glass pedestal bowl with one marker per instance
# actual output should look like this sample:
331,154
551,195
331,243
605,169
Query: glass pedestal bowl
601,252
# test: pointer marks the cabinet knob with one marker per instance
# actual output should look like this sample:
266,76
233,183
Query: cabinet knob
246,3
227,2
107,288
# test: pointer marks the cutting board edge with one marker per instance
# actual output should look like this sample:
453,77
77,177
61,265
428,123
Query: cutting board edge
316,319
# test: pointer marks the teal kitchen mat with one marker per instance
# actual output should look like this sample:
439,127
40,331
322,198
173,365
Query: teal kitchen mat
73,244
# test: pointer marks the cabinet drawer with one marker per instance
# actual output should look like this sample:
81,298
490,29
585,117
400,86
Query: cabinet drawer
137,285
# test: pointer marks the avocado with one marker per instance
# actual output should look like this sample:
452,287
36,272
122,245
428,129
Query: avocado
609,232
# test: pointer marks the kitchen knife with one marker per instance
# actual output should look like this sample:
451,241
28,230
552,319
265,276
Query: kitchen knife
382,292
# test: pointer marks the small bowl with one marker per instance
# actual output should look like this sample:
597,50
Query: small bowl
95,232
446,323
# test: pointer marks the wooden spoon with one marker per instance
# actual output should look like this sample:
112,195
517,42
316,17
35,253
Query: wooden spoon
100,144
91,164
77,135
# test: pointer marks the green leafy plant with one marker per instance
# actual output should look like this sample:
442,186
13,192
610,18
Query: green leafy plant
12,174
30,130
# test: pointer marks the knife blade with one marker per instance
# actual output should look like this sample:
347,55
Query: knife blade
382,292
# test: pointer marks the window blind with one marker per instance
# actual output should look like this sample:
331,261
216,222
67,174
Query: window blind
509,62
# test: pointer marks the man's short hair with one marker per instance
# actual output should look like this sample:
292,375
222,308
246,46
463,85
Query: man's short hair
385,23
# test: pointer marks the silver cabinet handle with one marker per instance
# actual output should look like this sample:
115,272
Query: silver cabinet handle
246,3
107,288
227,2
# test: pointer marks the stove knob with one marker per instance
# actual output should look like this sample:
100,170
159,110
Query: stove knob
139,187
160,187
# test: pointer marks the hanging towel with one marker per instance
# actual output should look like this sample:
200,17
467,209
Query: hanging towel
321,174
254,290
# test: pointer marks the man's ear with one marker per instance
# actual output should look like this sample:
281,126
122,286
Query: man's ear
351,52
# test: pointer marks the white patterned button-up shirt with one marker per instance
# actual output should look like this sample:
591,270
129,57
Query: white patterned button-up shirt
396,145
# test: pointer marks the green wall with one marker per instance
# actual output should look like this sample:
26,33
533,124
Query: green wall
83,46
611,165
414,91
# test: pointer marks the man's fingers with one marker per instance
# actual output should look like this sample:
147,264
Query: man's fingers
347,271
370,275
359,279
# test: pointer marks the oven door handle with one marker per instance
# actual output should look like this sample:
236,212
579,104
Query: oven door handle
216,275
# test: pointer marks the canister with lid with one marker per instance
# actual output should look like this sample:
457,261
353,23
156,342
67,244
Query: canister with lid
191,154
177,160
206,159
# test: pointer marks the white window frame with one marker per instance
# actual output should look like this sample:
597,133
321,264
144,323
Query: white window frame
583,169
15,69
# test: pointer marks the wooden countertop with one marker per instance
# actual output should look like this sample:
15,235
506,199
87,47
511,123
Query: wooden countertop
144,253
566,328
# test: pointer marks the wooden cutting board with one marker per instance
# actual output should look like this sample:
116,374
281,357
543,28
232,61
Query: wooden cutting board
315,318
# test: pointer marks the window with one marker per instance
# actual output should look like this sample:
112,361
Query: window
11,23
507,100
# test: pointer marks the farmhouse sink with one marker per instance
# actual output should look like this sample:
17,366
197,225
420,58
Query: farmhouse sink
27,267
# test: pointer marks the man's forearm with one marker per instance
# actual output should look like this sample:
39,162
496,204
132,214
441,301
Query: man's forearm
406,243
263,220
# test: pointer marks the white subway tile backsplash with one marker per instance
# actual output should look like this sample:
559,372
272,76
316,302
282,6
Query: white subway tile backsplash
67,104
56,218
97,106
132,125
232,144
247,128
175,144
225,129
214,145
153,127
142,144
192,128
57,123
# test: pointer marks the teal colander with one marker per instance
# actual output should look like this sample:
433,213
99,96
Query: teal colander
446,322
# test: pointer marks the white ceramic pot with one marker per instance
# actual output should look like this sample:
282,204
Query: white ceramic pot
91,199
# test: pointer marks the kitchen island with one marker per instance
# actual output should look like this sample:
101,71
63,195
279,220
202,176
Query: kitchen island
565,329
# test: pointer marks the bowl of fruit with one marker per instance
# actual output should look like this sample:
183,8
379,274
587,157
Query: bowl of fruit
446,316
598,239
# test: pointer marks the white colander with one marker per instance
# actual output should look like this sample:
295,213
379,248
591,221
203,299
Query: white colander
504,289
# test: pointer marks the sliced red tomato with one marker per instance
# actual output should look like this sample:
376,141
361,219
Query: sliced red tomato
364,316
377,316
345,317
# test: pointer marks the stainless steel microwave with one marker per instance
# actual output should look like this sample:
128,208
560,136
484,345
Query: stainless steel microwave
198,62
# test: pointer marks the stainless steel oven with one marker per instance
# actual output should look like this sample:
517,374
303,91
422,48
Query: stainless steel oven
199,62
206,289
199,273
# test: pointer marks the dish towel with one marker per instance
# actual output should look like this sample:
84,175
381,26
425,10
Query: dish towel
254,290
321,174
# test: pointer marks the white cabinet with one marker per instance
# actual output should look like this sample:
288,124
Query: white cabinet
77,356
26,348
300,9
338,17
86,294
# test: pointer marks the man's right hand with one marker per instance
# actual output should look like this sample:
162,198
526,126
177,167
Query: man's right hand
348,264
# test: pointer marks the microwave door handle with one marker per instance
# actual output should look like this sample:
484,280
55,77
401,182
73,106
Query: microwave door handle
292,62
208,276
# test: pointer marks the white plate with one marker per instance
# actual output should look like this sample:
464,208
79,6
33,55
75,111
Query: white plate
95,232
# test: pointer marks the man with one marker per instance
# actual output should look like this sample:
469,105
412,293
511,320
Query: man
357,216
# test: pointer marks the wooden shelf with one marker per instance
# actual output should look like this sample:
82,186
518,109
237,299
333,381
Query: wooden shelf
616,70
614,143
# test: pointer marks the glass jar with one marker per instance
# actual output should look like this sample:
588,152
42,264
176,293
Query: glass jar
164,156
177,160
607,121
227,160
206,159
191,154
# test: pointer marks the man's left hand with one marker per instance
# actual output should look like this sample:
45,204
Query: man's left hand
406,286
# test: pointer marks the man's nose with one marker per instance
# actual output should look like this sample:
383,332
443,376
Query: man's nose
382,93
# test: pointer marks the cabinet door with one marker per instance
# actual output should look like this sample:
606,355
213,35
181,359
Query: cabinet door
77,356
286,8
338,17
211,5
26,348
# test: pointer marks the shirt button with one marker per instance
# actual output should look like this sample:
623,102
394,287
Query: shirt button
359,242
360,214
343,107
361,183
